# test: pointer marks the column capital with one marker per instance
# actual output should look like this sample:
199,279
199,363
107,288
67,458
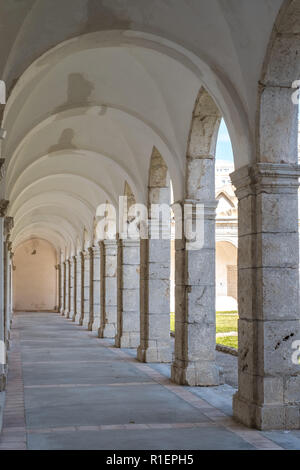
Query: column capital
95,250
209,206
265,177
129,242
110,242
3,207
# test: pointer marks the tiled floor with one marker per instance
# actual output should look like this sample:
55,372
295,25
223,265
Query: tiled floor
82,393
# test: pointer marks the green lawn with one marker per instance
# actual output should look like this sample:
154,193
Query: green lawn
172,322
225,323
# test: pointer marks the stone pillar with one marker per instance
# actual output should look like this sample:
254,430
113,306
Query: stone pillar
67,288
195,312
108,327
64,304
8,225
74,284
62,288
86,287
10,303
155,343
79,289
3,365
71,288
59,296
128,301
268,396
95,288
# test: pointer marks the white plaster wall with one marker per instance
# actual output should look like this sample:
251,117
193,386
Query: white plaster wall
226,255
34,276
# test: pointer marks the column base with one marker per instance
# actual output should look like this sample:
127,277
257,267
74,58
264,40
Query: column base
70,315
66,313
77,318
107,331
85,322
204,374
62,312
266,417
155,355
96,326
127,340
3,377
73,317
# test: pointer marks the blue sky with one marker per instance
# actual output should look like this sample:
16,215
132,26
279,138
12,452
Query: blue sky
224,149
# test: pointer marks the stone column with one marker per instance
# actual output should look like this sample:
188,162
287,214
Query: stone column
74,284
3,365
8,225
128,324
67,288
95,288
86,287
155,343
79,289
10,303
62,288
71,287
108,327
195,312
268,396
59,296
64,304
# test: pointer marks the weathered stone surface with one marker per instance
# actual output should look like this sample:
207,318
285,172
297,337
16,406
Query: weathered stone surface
128,299
195,331
79,297
95,291
269,394
86,273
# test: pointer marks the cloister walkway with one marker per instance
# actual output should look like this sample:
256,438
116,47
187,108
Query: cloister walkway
67,389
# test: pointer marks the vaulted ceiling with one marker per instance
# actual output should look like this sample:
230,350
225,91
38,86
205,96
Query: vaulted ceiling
95,85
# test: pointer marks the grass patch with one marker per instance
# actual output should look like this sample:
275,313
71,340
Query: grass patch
226,313
225,323
230,341
172,322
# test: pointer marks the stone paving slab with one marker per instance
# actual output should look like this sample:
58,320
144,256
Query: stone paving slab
96,373
207,438
82,393
106,405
